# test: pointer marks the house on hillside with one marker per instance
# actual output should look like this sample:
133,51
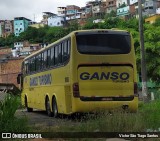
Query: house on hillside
20,25
24,49
110,6
6,28
72,12
46,15
86,13
98,7
56,21
61,11
123,12
150,7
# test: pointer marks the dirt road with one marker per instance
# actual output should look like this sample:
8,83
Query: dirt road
40,119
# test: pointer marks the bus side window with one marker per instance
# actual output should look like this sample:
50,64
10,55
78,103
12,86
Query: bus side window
26,67
32,65
29,66
45,59
38,62
42,60
52,63
56,55
68,48
48,58
66,51
60,54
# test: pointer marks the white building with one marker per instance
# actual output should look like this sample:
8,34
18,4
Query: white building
133,1
158,11
56,21
123,11
121,2
61,11
18,45
98,21
73,16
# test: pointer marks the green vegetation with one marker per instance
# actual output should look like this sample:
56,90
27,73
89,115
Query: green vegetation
8,121
150,113
116,121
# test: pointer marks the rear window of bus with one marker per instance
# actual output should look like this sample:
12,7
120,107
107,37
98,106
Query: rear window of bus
103,43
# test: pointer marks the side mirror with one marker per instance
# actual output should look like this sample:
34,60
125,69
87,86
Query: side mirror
19,77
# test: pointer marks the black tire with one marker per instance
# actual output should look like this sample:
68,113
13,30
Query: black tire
48,108
26,105
55,108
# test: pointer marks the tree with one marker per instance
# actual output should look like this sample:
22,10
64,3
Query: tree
73,25
30,34
110,15
2,42
152,45
157,22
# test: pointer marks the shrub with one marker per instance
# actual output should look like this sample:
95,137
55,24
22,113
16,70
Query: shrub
8,121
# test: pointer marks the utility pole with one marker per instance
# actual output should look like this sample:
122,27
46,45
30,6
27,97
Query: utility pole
142,51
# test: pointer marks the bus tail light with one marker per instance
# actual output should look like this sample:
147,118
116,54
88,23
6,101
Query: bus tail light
76,90
135,89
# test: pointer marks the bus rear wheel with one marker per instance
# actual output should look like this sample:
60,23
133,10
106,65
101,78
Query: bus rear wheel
55,108
48,107
26,105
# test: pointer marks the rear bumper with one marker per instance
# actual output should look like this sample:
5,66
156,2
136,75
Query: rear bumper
130,98
89,106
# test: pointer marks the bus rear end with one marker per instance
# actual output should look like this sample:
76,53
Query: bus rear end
106,71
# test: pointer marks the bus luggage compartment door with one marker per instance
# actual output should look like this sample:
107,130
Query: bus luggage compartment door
105,82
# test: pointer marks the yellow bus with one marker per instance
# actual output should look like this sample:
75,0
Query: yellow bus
85,71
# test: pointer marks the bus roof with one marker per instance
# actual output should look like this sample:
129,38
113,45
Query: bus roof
73,32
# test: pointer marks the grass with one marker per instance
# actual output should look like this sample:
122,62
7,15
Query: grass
105,122
151,114
8,121
147,117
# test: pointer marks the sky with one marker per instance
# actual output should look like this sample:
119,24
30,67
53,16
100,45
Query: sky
32,9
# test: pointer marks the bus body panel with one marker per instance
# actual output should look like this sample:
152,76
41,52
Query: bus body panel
59,88
92,106
106,81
